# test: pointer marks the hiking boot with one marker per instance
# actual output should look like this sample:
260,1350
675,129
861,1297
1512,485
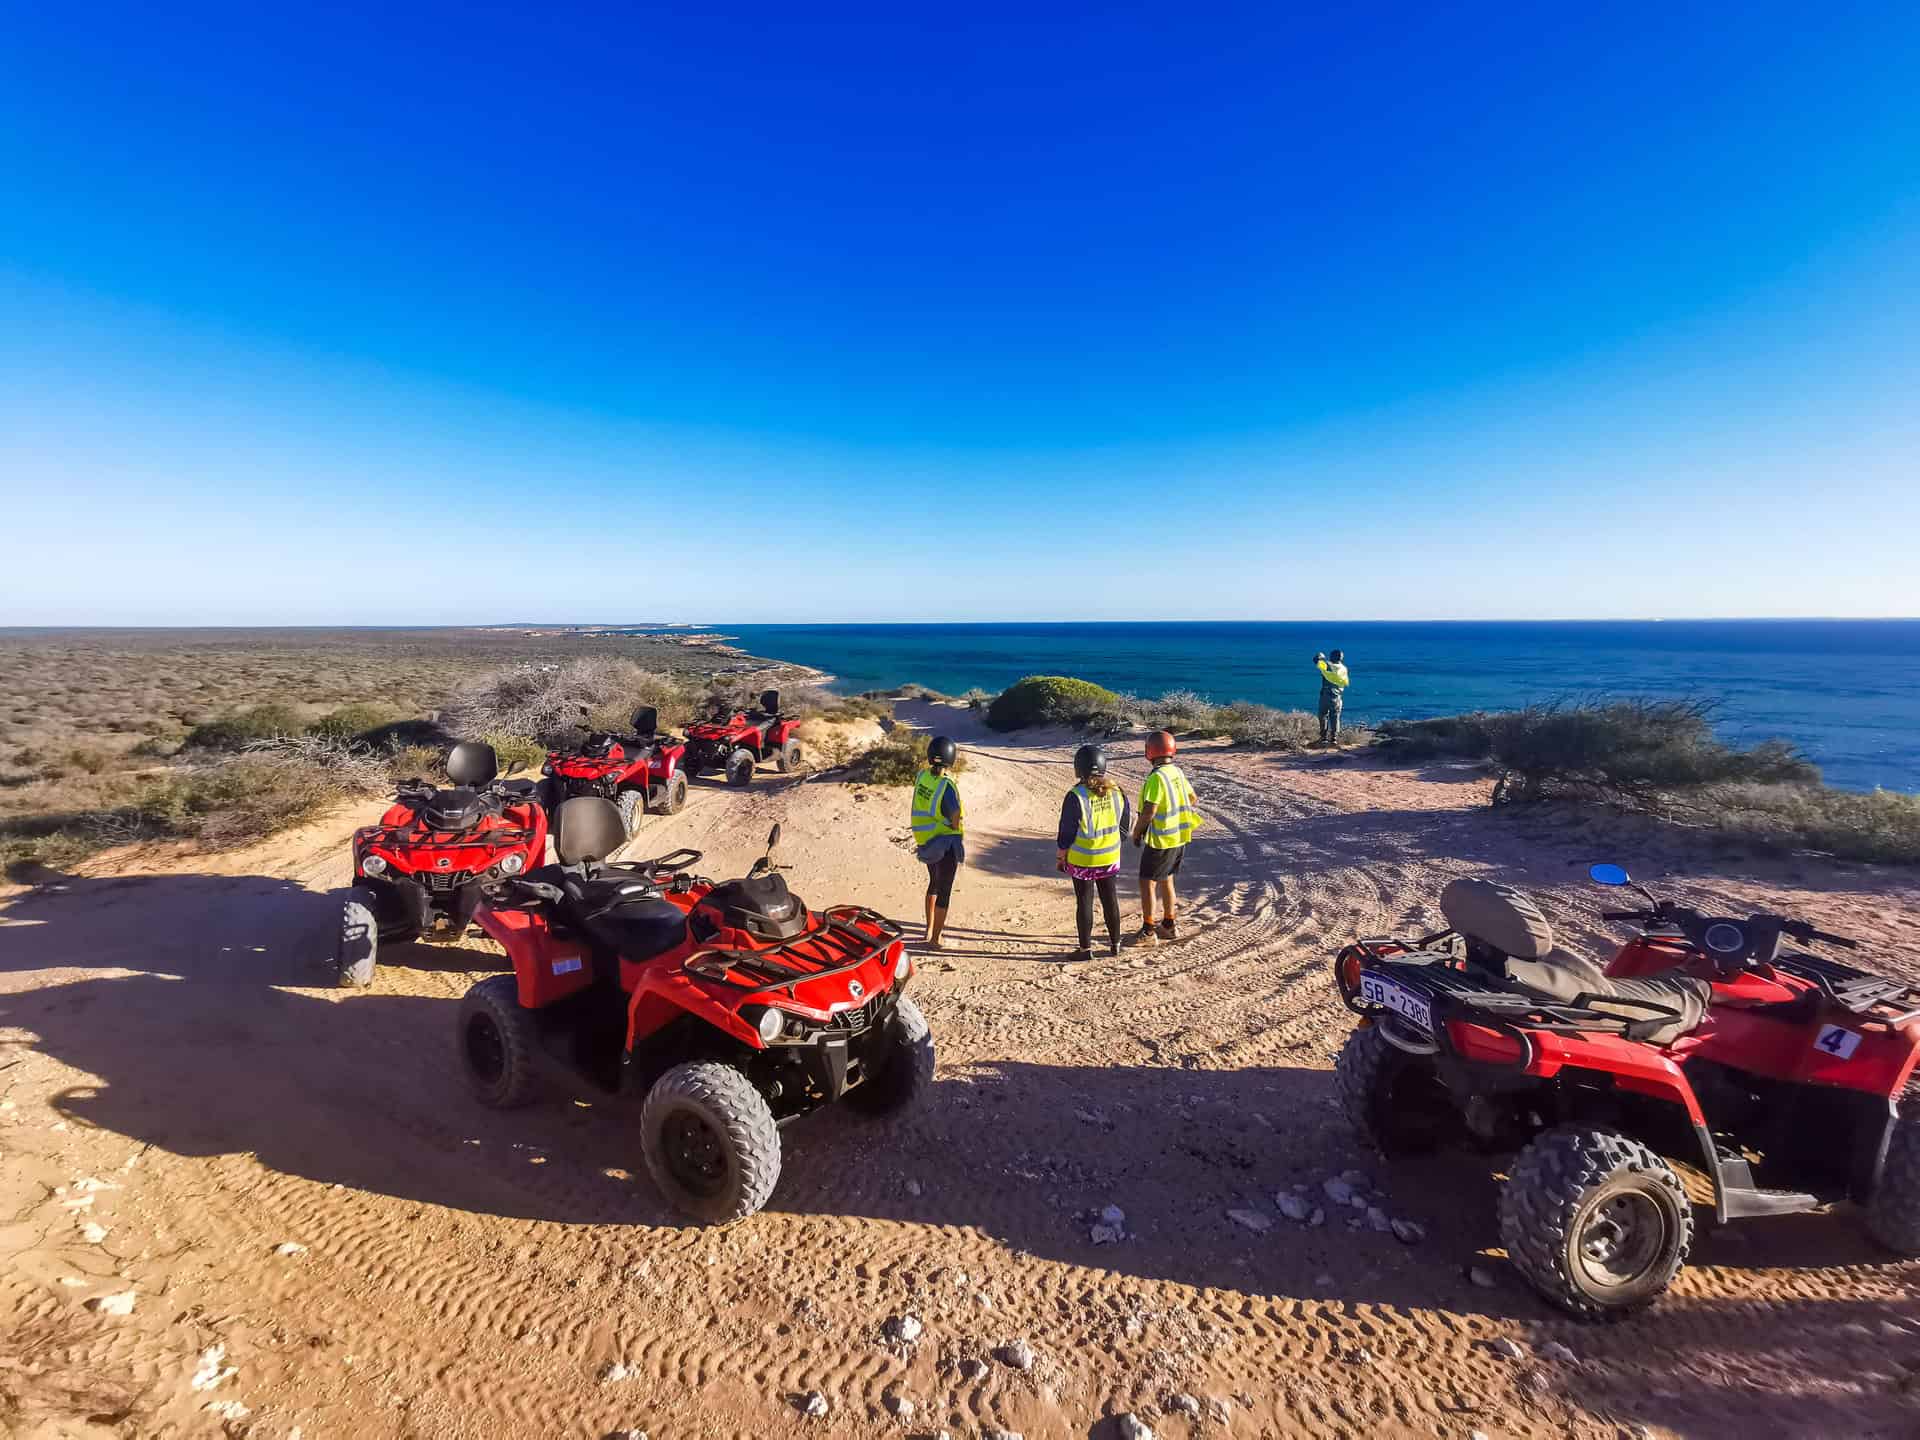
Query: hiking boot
1148,935
1168,931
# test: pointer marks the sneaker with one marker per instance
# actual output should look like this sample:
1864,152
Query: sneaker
1147,936
1080,956
1168,931
1113,946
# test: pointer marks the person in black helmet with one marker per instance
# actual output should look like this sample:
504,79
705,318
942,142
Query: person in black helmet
1093,818
939,831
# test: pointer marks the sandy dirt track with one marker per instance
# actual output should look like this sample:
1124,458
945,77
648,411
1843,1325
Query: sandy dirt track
182,1095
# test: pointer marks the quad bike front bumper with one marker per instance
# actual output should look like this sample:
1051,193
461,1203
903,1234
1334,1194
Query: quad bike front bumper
818,1064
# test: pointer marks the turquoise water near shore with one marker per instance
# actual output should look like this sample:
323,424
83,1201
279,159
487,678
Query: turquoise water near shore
1846,691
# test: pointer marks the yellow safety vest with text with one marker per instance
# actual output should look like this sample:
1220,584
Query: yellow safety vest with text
1098,843
1174,817
929,822
1334,675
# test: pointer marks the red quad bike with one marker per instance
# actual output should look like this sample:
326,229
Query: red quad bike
1785,1079
732,1008
418,872
736,743
637,773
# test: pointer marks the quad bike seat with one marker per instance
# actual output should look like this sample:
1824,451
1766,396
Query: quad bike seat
1509,924
619,908
761,905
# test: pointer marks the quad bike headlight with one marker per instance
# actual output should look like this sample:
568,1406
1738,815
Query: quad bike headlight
769,1023
513,864
373,865
902,967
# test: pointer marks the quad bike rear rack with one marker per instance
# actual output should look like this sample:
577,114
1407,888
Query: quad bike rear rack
392,838
1466,995
781,969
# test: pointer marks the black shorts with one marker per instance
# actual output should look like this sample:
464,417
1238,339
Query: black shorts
1160,864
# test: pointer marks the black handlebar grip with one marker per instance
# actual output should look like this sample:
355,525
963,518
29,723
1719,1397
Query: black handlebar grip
1625,915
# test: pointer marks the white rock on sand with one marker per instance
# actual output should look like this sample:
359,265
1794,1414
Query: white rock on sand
119,1303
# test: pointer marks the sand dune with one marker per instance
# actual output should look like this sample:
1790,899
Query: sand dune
186,1101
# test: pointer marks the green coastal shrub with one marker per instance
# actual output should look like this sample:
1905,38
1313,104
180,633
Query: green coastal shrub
1049,700
516,752
896,759
352,722
244,727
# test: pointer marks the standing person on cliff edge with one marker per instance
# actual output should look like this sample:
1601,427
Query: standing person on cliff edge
1333,694
939,831
1093,818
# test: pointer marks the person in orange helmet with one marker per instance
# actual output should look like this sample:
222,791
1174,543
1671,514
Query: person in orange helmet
1166,821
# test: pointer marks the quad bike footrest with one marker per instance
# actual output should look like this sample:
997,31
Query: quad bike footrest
1740,1199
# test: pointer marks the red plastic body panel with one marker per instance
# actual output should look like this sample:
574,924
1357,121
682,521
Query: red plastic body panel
661,989
1643,1069
642,768
413,851
545,968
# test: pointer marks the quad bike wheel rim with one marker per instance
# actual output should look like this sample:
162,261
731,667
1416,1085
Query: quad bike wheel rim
694,1155
486,1050
1618,1240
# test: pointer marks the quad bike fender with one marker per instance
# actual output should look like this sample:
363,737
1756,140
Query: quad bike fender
778,735
545,969
1834,1049
1637,1068
660,998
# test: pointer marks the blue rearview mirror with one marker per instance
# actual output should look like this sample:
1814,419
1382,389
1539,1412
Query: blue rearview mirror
1608,875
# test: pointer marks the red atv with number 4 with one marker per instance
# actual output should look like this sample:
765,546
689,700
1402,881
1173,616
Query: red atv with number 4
417,874
1787,1080
638,773
735,744
731,1007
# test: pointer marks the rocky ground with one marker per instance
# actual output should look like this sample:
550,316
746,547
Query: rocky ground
235,1199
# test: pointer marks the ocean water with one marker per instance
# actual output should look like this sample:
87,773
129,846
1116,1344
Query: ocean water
1846,691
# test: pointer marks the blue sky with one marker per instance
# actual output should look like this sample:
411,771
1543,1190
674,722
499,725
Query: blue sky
438,315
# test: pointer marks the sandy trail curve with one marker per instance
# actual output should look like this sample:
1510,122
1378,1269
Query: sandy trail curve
184,1095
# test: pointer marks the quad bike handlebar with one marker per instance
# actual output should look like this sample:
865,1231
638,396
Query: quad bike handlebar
1732,944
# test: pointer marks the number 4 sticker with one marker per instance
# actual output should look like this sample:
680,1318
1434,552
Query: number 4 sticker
1837,1041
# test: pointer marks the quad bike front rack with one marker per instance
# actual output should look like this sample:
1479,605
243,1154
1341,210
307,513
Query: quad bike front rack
782,970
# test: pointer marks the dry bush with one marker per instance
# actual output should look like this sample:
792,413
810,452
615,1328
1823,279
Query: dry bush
355,768
417,762
1874,825
1249,724
544,702
243,727
897,758
352,722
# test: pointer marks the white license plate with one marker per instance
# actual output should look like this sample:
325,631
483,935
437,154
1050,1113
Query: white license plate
1378,990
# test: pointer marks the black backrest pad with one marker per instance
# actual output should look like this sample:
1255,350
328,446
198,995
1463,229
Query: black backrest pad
589,829
770,701
646,720
472,763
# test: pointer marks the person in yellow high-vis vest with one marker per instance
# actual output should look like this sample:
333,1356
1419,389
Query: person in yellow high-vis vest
1168,817
1333,694
1093,821
939,831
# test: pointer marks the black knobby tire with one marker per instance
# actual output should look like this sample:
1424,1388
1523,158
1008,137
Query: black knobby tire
904,1070
1395,1100
789,757
740,766
632,805
1595,1221
496,1043
356,949
674,797
710,1142
1893,1210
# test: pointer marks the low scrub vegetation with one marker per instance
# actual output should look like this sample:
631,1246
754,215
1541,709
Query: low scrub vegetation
1050,700
245,727
896,759
1662,756
553,705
